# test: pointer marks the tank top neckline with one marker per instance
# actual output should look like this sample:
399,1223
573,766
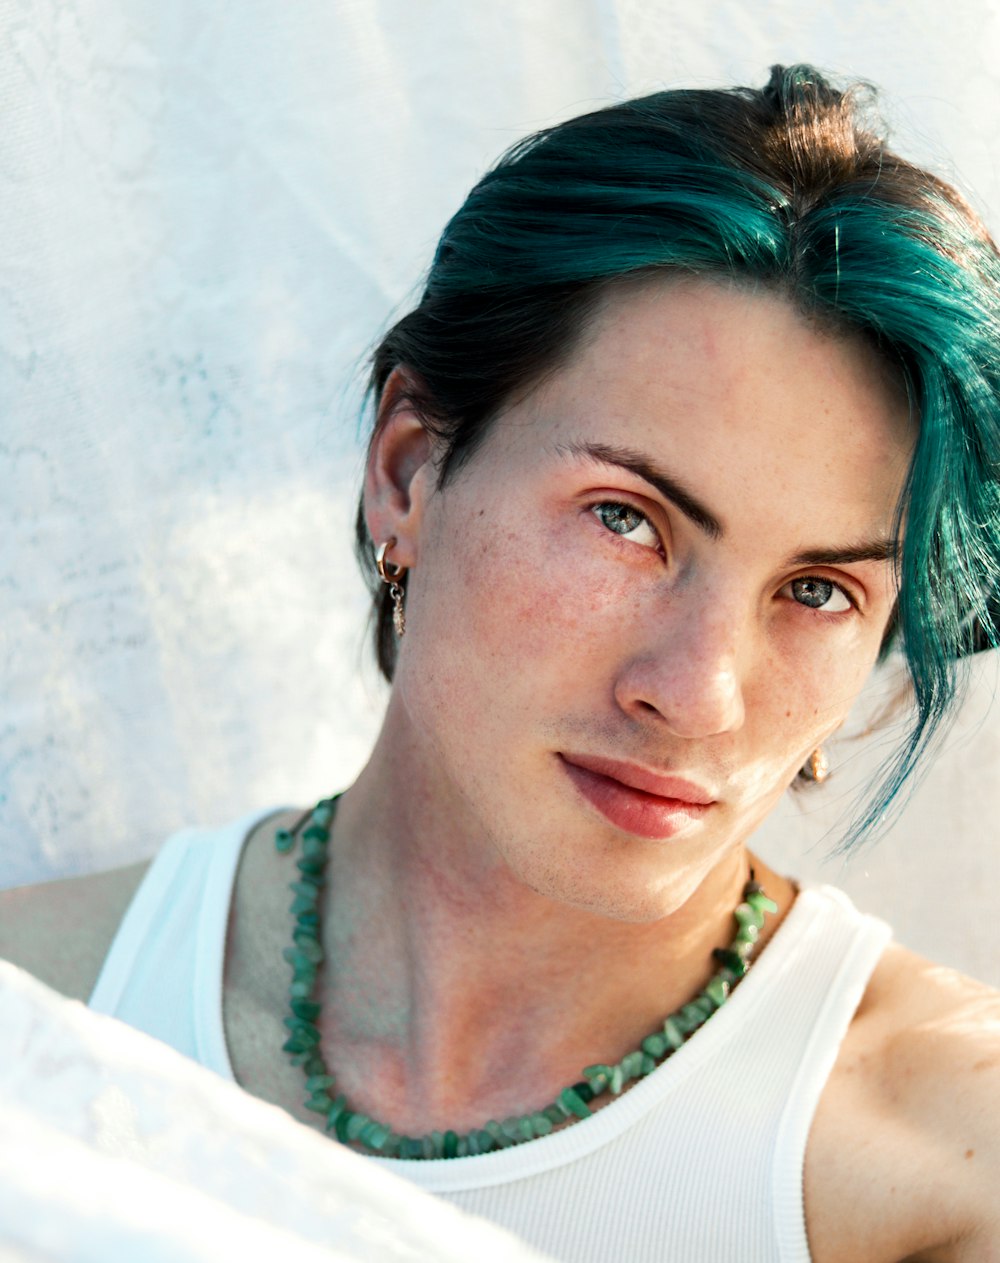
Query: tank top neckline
607,1123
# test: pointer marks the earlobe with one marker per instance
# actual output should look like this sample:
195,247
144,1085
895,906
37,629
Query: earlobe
400,471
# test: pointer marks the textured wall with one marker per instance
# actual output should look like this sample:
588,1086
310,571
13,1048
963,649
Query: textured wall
206,214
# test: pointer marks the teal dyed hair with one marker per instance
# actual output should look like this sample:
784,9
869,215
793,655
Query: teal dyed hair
788,187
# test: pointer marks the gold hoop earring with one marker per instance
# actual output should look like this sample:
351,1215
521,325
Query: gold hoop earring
390,574
817,767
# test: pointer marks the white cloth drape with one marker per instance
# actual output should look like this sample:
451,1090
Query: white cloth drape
207,211
115,1149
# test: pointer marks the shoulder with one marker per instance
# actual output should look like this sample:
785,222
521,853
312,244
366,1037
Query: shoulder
908,1130
60,931
941,1080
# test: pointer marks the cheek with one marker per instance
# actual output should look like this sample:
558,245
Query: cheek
518,611
807,687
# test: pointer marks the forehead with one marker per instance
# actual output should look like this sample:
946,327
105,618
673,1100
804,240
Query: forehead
718,342
774,422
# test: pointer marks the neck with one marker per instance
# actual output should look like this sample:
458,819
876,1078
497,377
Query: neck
455,992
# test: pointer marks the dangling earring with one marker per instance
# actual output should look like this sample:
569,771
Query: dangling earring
391,574
816,767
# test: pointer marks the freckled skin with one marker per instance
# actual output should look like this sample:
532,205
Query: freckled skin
533,629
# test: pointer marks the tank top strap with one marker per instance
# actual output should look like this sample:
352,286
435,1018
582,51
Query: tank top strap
838,951
163,973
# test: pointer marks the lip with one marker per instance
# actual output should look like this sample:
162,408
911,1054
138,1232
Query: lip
636,800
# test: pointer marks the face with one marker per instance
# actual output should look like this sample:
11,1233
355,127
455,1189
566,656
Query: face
652,592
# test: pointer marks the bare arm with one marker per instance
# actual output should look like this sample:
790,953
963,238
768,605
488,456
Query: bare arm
61,931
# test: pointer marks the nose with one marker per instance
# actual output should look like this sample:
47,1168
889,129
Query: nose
690,676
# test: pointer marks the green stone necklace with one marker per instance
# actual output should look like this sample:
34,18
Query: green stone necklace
306,956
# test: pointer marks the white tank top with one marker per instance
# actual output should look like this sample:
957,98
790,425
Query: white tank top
702,1160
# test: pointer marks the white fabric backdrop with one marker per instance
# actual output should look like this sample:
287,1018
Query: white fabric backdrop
207,211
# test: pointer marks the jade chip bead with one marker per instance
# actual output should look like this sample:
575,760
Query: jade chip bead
309,949
541,1124
574,1104
717,991
690,1016
305,886
731,960
705,1003
673,1034
598,1077
374,1135
495,1131
746,914
632,1065
338,1107
356,1124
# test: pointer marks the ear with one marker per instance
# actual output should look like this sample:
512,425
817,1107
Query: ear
400,474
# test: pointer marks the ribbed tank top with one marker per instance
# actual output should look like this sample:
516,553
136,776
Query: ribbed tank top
701,1160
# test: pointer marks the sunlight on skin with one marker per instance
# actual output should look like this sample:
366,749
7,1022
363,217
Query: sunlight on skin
712,672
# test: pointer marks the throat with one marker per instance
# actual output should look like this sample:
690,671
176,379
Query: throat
477,1063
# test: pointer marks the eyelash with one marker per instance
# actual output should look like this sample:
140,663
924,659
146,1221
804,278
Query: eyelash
631,509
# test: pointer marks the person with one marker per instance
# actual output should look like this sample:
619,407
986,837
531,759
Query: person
696,418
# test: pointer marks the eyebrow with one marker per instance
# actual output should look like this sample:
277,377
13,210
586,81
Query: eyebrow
668,486
884,548
877,548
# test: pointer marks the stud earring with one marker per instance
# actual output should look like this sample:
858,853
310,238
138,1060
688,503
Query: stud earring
817,767
391,574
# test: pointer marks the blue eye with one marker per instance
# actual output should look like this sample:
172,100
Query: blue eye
818,594
626,521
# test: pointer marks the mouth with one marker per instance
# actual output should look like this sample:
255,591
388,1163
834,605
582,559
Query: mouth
636,800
